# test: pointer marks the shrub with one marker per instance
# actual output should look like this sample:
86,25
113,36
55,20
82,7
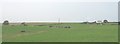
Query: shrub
6,22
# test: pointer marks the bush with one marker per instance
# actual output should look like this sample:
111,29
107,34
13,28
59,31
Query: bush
6,22
23,23
105,21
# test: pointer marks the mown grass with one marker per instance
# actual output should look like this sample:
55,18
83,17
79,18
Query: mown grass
77,33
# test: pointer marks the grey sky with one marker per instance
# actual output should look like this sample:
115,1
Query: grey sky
65,10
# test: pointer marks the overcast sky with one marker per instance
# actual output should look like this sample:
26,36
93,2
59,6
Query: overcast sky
52,10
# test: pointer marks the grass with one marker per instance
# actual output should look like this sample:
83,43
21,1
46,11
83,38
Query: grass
77,33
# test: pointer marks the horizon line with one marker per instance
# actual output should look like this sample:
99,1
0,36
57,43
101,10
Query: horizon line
51,21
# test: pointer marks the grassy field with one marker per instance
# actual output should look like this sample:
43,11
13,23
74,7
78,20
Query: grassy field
77,33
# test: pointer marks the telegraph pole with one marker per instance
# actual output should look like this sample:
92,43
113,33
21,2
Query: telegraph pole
59,20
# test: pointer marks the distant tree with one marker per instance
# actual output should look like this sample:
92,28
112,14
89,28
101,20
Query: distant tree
118,22
6,22
105,21
85,22
94,22
23,23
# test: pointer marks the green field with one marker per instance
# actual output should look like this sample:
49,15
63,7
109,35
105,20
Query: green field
77,33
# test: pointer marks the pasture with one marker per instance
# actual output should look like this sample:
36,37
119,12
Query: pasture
57,33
